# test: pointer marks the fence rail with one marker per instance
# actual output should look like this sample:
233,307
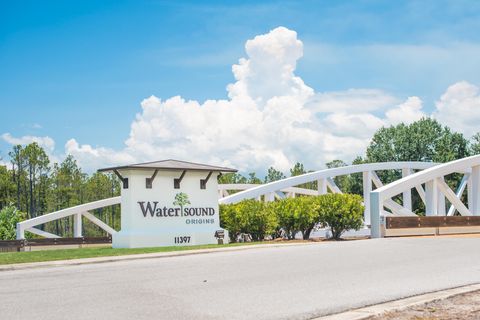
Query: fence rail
19,245
431,222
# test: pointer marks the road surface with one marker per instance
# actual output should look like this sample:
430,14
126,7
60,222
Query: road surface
293,282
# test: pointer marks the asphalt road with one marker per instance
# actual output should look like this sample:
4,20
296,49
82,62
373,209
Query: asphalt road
295,282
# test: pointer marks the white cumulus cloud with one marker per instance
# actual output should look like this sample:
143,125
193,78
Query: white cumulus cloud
407,112
91,158
45,142
352,100
459,108
271,118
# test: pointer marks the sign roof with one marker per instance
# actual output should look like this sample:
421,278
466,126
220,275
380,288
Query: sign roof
171,164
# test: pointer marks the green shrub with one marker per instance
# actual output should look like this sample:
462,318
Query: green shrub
285,213
339,212
305,215
248,216
296,215
9,217
230,220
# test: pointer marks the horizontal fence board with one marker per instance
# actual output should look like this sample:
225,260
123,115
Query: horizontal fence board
10,245
431,222
66,241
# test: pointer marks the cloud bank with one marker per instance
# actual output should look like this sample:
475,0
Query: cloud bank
271,118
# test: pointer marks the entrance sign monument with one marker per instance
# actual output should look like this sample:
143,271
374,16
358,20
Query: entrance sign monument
168,203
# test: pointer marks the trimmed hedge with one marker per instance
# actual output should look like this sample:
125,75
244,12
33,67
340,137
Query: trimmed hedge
287,217
248,216
339,212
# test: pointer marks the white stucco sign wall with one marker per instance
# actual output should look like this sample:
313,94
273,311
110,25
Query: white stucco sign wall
168,213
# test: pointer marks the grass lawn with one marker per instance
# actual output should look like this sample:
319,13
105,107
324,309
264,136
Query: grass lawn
68,254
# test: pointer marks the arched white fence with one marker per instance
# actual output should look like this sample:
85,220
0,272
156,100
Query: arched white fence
325,179
77,212
436,190
224,189
432,175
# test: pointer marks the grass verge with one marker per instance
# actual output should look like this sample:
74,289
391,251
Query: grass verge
69,254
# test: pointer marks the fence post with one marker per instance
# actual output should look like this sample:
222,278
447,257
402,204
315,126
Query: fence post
407,195
367,188
322,186
20,231
431,198
376,208
77,225
475,210
441,206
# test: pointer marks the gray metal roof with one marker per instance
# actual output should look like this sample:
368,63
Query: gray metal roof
171,164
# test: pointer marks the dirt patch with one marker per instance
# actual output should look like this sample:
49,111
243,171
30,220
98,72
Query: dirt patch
462,307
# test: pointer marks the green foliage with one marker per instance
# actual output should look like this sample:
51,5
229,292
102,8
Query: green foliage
295,215
229,178
9,217
475,144
339,212
7,187
253,179
297,170
37,188
248,216
304,216
273,175
343,182
230,220
423,140
284,210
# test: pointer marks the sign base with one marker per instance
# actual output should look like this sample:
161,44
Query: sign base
144,239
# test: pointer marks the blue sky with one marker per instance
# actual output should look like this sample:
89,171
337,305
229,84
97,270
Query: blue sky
79,69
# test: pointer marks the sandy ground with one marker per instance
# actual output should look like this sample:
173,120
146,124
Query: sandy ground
465,307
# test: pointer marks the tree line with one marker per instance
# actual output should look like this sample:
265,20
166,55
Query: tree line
36,186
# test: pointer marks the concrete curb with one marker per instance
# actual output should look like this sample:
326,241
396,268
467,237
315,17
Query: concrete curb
74,262
398,305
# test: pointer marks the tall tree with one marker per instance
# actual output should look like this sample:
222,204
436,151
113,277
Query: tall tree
7,187
68,183
343,182
101,186
475,144
424,140
231,178
356,179
18,171
297,170
36,165
252,178
273,175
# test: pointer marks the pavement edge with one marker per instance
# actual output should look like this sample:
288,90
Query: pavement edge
400,304
81,261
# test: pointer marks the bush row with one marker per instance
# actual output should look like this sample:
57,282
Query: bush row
286,217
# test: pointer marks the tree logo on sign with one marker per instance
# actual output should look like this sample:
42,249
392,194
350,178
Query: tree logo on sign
181,199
